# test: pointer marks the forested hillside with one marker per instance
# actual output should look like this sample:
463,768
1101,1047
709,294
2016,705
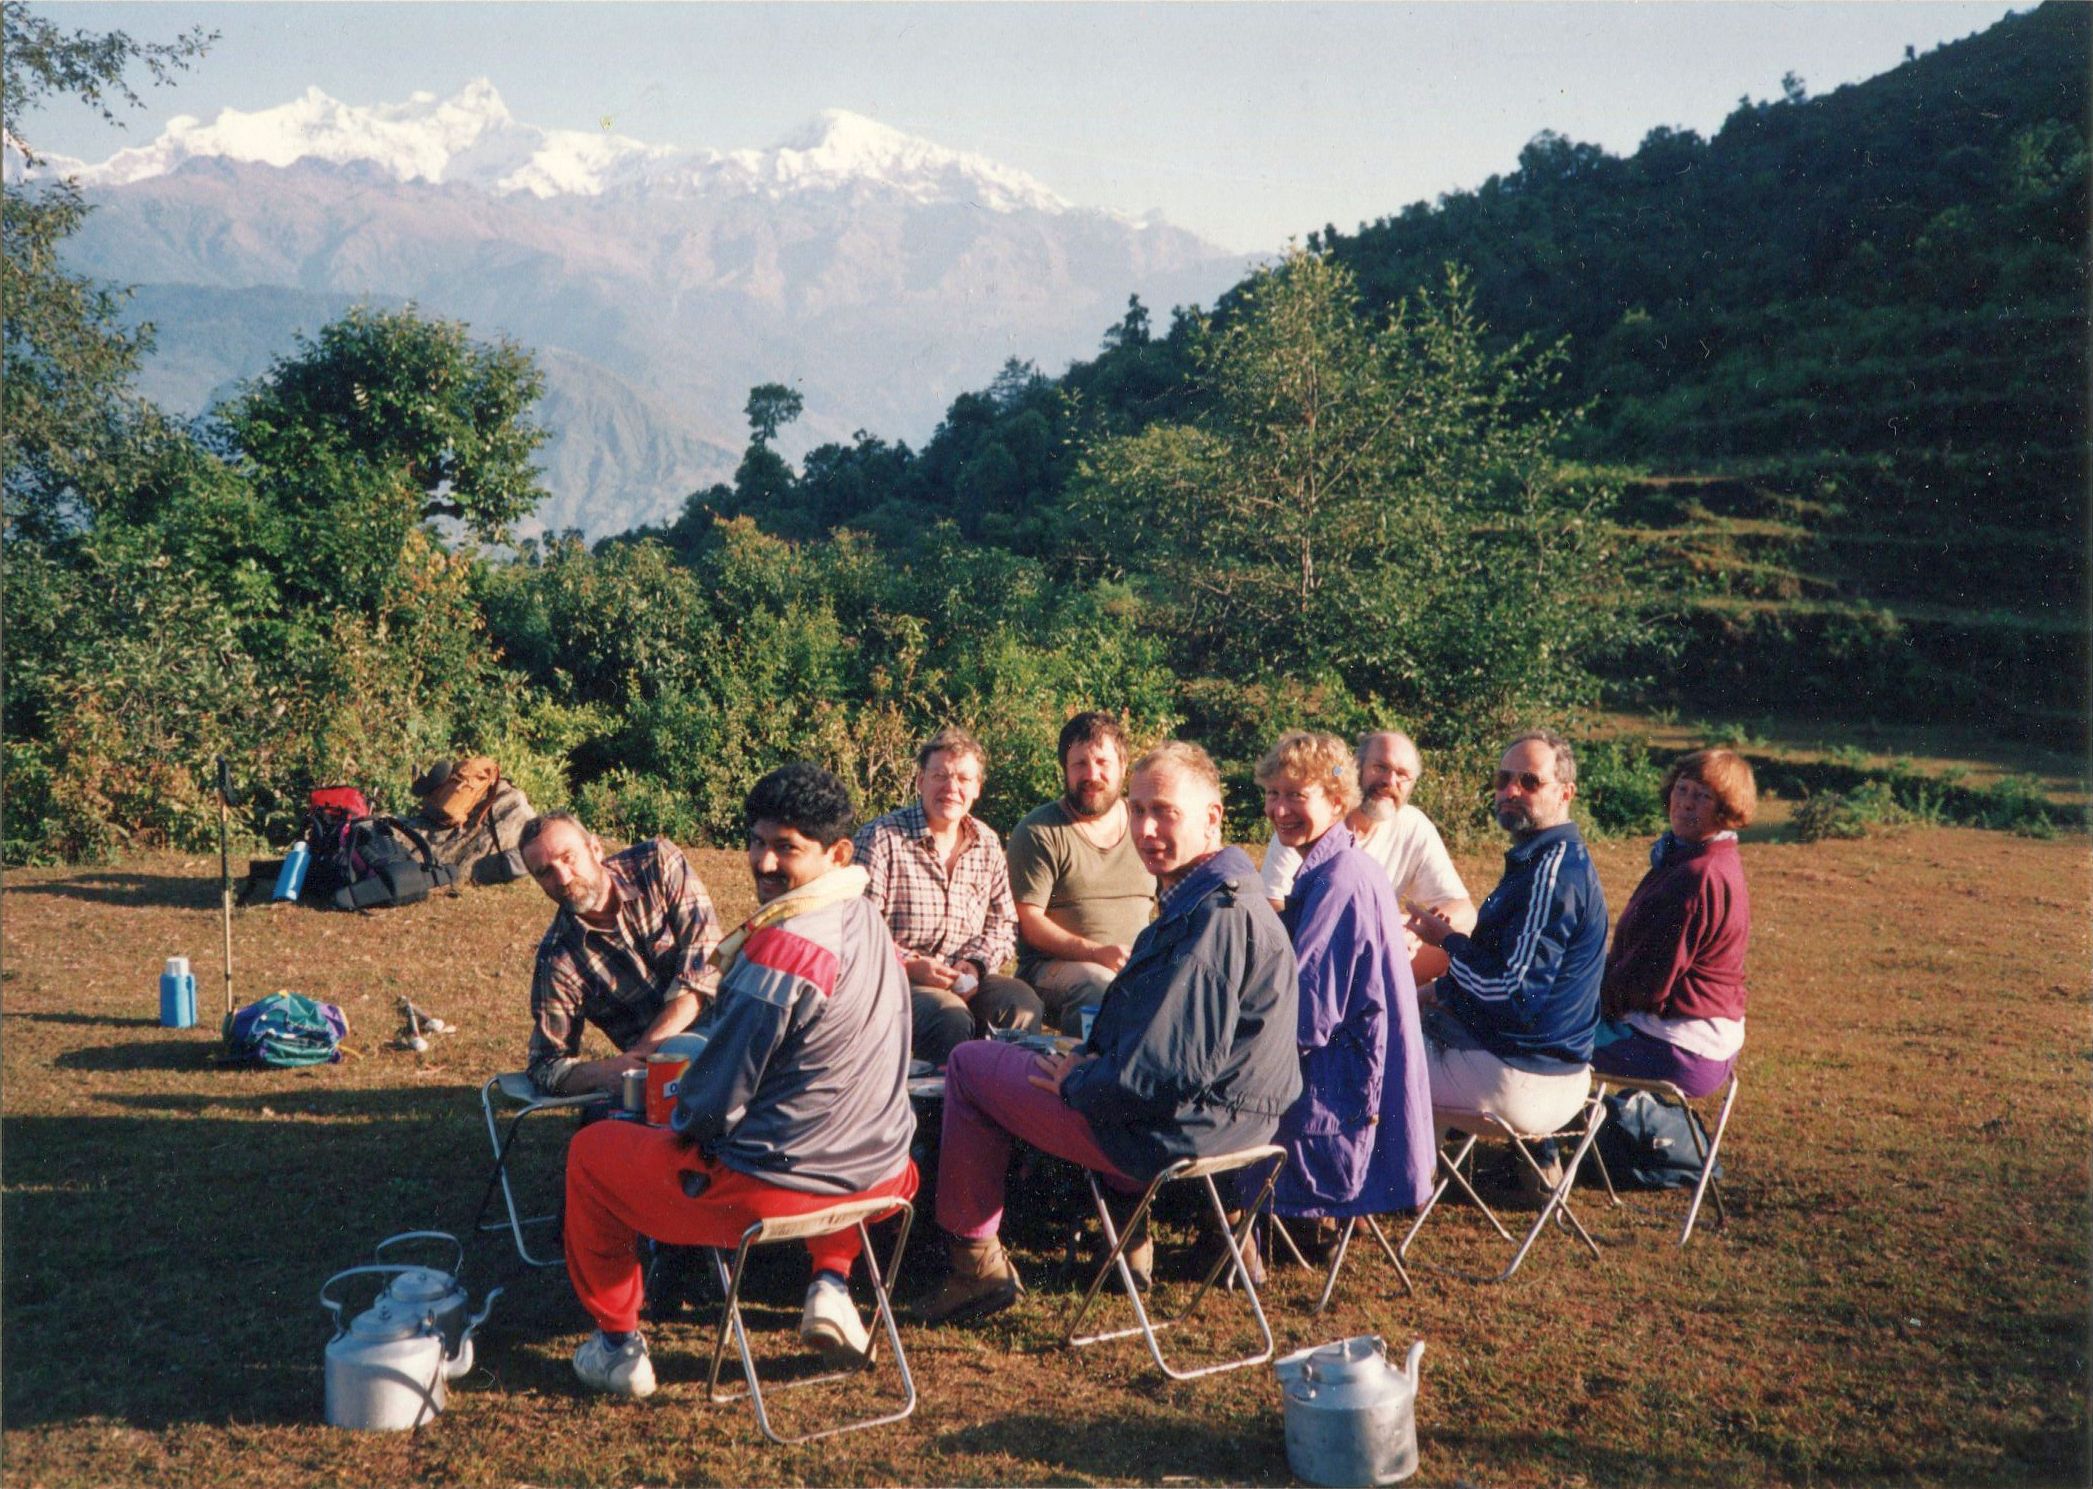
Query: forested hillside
1838,353
1869,311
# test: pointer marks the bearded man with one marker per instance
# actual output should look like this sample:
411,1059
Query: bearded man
1081,889
626,951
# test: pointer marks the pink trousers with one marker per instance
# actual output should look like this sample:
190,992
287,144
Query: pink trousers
989,1099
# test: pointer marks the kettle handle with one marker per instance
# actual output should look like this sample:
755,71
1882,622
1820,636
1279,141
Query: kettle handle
457,1265
334,1305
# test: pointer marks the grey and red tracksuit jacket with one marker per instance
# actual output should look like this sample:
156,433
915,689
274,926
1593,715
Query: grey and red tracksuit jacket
803,1083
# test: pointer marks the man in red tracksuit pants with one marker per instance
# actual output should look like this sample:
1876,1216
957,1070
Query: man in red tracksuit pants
798,1100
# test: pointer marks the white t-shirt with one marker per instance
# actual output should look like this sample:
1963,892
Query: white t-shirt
1406,845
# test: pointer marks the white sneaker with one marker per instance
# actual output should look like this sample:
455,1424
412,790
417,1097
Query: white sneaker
621,1370
830,1326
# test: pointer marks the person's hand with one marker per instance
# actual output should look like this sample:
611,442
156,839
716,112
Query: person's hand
1411,941
1111,958
1428,925
1050,1072
928,972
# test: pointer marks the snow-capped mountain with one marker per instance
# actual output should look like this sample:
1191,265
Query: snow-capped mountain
471,139
880,273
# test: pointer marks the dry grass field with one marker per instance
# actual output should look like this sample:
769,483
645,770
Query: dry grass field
1901,1295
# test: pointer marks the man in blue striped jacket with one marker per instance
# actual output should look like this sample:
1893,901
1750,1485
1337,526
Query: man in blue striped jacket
1519,1002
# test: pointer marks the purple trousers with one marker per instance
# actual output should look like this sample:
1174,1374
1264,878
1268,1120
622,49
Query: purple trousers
1637,1055
990,1099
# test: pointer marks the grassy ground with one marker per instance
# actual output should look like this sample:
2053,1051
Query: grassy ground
1901,1294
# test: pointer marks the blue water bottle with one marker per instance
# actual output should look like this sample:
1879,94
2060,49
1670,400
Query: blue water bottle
177,994
291,877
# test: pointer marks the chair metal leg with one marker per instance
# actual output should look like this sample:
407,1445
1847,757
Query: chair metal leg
1556,1208
1395,1261
502,1143
1705,1147
1231,1260
1557,1205
731,1322
1613,1196
1344,1242
1707,1184
1280,1231
1454,1175
1432,1200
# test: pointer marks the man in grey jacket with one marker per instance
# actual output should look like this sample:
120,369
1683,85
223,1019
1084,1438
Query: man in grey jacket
1192,1053
798,1100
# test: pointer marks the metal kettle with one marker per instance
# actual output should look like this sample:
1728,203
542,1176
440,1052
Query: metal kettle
1351,1417
440,1294
385,1368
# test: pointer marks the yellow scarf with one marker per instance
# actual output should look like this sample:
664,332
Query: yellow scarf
832,888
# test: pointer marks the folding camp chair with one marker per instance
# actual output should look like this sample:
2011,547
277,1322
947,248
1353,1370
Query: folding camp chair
1234,1239
1338,1252
1707,1148
1556,1207
518,1090
840,1216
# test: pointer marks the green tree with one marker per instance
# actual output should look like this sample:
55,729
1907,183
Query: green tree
67,413
771,407
401,412
1379,508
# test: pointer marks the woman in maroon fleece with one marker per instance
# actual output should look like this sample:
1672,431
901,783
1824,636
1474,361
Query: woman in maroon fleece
1673,995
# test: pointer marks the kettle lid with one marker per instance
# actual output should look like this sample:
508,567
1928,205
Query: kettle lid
382,1322
421,1285
1364,1356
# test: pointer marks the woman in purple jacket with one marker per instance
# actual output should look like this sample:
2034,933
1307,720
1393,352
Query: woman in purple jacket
1674,991
1359,1141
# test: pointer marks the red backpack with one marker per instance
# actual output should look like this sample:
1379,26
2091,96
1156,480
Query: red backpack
328,812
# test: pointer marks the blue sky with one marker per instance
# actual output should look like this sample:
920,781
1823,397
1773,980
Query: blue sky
1248,123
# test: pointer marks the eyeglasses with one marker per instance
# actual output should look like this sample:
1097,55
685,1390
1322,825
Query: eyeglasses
1528,781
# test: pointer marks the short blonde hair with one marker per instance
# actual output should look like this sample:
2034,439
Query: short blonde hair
1316,759
951,740
1186,758
1728,777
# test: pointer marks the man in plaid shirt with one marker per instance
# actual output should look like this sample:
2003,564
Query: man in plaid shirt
940,879
627,951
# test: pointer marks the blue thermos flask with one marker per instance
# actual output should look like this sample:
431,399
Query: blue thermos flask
177,994
291,877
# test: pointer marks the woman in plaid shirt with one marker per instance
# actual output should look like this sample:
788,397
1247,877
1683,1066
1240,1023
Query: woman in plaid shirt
940,879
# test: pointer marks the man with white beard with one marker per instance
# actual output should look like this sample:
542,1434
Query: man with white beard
1396,835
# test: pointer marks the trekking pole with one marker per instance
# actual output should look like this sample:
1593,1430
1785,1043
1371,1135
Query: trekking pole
225,875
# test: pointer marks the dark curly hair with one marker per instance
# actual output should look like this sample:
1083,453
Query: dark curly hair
1092,728
805,798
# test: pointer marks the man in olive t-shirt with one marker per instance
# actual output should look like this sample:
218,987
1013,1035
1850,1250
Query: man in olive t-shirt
1082,894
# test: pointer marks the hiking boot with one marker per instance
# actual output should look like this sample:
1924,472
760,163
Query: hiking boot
1140,1249
830,1325
981,1282
619,1370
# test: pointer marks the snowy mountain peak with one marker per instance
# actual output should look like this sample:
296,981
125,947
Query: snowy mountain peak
470,139
838,147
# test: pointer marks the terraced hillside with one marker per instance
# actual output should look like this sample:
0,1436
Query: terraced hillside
1850,333
1852,596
